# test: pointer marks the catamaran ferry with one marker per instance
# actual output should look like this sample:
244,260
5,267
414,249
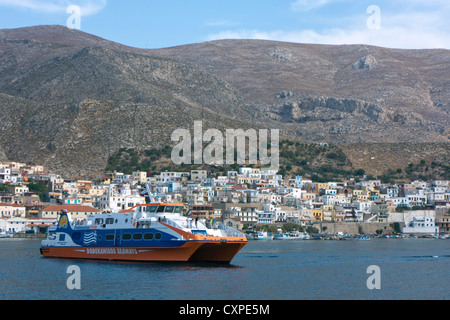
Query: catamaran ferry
148,232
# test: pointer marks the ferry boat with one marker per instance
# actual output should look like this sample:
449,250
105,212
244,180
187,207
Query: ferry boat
147,232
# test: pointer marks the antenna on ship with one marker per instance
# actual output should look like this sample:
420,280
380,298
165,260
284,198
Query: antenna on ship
149,193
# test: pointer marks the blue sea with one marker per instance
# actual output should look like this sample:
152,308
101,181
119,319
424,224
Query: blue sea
263,270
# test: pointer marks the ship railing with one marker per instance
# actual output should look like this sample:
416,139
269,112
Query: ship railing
228,231
170,223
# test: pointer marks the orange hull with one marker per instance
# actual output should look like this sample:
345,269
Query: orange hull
217,251
147,254
214,249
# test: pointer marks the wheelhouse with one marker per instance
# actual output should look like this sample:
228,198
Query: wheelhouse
159,208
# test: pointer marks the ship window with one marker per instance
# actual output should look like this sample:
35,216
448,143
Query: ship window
169,209
109,237
158,236
178,209
148,236
126,236
152,208
137,236
109,220
160,209
99,237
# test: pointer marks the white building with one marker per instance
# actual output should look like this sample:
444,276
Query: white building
363,206
18,189
9,210
400,201
266,217
5,175
167,177
416,200
120,199
13,225
422,225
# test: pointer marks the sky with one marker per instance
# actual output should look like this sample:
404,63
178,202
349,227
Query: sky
406,24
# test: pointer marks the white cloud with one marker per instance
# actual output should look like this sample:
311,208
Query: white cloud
400,38
307,5
88,7
409,29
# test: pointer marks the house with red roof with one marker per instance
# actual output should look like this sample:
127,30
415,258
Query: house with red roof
75,211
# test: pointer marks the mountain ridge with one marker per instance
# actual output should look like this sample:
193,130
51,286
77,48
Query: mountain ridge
61,90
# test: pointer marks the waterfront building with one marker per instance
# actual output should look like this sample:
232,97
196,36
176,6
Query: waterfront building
443,218
76,211
40,226
10,210
421,225
13,225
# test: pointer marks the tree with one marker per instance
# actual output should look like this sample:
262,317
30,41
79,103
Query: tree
396,227
40,188
288,227
312,230
332,155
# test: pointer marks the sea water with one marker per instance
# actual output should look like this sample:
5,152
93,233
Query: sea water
262,270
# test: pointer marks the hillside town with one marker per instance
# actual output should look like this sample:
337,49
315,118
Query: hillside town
247,199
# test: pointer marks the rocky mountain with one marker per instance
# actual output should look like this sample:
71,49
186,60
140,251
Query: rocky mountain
69,100
335,94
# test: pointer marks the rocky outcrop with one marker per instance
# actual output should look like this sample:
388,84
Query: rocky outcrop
367,62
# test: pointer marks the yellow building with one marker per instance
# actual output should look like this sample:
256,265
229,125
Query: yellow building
140,176
317,211
317,214
320,186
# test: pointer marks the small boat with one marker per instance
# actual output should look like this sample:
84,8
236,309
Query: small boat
5,235
364,238
291,236
147,233
260,235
